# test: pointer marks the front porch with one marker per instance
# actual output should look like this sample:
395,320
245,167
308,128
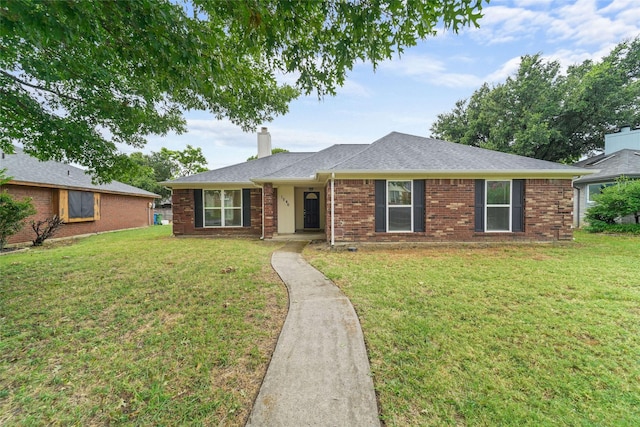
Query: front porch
300,212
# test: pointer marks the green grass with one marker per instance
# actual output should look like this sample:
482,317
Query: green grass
136,328
501,335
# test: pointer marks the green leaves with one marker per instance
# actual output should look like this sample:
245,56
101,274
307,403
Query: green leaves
615,201
148,170
544,113
12,212
79,77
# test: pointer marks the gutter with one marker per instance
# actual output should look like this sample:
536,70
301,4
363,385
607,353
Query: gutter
95,189
480,173
333,236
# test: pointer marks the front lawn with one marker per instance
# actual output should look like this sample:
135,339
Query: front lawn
502,335
136,328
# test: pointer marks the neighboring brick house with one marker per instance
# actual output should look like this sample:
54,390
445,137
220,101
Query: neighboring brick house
621,157
59,189
401,188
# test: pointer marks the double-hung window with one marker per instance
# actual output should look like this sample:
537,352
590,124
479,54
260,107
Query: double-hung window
498,206
222,208
399,206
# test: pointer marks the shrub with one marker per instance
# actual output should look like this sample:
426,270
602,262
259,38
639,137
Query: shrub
613,203
602,227
12,215
45,229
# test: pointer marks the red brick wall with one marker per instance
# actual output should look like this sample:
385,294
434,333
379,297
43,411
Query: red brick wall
270,211
450,212
184,217
117,212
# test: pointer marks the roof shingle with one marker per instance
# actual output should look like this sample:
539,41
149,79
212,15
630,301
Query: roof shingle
26,169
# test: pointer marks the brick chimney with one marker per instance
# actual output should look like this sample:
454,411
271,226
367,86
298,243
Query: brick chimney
264,143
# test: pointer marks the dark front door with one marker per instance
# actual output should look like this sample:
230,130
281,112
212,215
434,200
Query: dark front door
311,209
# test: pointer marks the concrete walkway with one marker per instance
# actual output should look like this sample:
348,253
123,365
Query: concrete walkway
319,374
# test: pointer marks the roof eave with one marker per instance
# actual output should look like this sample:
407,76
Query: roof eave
547,173
310,180
605,178
201,184
71,187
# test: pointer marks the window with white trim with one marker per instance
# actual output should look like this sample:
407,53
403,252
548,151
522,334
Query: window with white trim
498,206
594,189
222,208
399,206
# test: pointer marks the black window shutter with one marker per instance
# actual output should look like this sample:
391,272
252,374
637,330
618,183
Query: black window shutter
479,205
517,205
197,208
418,205
381,205
246,207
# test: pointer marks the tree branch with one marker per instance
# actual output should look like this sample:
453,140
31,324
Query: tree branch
38,87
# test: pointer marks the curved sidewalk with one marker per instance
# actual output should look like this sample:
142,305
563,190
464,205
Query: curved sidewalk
319,374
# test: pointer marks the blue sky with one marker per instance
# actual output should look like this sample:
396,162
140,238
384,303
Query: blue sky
406,94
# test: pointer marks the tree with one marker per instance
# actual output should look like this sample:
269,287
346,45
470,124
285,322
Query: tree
79,77
273,151
616,201
12,212
186,162
150,169
543,113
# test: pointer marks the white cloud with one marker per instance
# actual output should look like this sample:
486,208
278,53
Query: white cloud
502,24
428,69
582,22
507,69
352,88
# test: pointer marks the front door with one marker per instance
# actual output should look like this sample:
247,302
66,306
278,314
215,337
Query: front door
311,209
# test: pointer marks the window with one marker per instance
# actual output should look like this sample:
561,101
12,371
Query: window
222,208
78,206
498,206
399,206
594,189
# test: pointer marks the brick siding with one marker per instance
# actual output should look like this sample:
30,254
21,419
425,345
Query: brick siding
184,217
449,205
117,212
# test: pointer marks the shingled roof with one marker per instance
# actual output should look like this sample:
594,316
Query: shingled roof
401,152
243,173
611,166
26,170
395,153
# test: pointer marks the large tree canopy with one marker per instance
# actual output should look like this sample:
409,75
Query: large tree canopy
544,113
151,169
78,77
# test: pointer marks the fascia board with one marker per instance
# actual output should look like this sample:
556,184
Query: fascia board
311,180
75,188
605,178
206,185
515,173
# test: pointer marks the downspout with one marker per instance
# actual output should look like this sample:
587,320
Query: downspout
333,236
262,237
577,207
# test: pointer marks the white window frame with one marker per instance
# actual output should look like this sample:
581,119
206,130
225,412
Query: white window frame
222,209
601,184
487,205
388,207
